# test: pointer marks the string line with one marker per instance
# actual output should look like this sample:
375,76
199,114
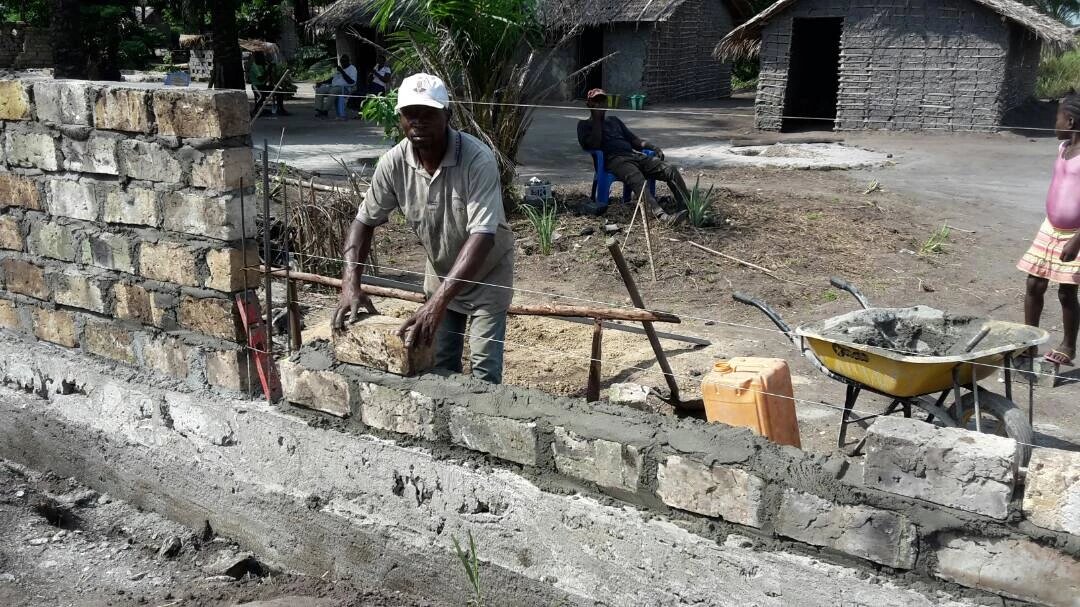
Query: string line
691,378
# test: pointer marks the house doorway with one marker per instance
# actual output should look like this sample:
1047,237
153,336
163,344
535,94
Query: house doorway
813,74
591,48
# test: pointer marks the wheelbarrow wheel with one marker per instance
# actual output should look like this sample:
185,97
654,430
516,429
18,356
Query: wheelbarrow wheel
1000,416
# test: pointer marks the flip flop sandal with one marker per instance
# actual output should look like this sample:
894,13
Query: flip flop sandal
1058,358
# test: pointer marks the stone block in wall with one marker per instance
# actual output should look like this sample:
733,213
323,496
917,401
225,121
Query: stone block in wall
877,535
163,310
514,440
77,289
32,147
110,251
149,161
14,100
1052,490
224,169
9,315
325,391
11,237
56,326
97,153
167,355
132,302
51,239
211,316
227,268
1018,568
732,494
123,109
232,370
169,262
948,466
401,411
65,101
75,199
25,278
604,462
19,191
201,113
374,342
202,214
132,206
109,340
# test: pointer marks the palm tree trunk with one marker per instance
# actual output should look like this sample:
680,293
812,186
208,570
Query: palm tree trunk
228,62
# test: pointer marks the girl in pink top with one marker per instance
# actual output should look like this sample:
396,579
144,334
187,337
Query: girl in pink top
1052,257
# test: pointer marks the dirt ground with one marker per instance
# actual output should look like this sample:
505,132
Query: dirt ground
63,544
803,226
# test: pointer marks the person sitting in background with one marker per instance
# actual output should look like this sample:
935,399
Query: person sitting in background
380,78
624,159
327,91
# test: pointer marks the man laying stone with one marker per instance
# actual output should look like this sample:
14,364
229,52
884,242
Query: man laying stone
624,159
446,184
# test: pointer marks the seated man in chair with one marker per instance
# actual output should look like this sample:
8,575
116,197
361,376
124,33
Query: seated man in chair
623,157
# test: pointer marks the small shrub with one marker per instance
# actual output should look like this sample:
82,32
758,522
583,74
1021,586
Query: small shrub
699,211
543,221
380,110
936,243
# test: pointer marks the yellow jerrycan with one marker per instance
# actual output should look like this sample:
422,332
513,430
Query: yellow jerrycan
753,393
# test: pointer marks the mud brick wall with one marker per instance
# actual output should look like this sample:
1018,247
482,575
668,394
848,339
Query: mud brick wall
120,223
679,64
908,64
23,47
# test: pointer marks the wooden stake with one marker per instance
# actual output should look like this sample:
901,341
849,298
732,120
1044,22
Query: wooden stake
765,271
592,390
635,296
625,314
648,238
633,218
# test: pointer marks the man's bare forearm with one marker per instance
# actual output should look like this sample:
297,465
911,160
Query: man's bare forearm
357,249
466,266
596,135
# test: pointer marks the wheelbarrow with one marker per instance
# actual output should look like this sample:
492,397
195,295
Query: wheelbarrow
910,354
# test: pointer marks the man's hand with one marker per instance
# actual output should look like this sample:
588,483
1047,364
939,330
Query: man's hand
421,328
654,149
349,307
1071,249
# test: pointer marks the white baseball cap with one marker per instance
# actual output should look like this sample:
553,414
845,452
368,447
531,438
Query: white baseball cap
423,89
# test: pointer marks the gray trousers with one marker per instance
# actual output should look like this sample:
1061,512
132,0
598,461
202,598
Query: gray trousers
486,335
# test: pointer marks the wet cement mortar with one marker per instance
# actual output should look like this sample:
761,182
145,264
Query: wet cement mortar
62,543
919,331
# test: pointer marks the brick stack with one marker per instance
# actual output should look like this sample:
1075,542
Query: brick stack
120,223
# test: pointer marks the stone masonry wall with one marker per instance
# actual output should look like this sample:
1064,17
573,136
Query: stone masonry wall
904,64
120,223
940,504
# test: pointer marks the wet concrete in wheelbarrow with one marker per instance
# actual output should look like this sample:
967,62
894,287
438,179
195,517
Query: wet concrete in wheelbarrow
923,331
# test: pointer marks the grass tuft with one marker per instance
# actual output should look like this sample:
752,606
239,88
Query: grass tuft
544,222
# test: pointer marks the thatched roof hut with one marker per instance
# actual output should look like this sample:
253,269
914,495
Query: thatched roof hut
743,41
894,64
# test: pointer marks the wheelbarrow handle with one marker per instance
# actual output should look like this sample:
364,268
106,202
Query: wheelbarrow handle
844,285
768,311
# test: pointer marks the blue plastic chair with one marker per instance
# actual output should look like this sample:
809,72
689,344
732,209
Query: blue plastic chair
603,180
